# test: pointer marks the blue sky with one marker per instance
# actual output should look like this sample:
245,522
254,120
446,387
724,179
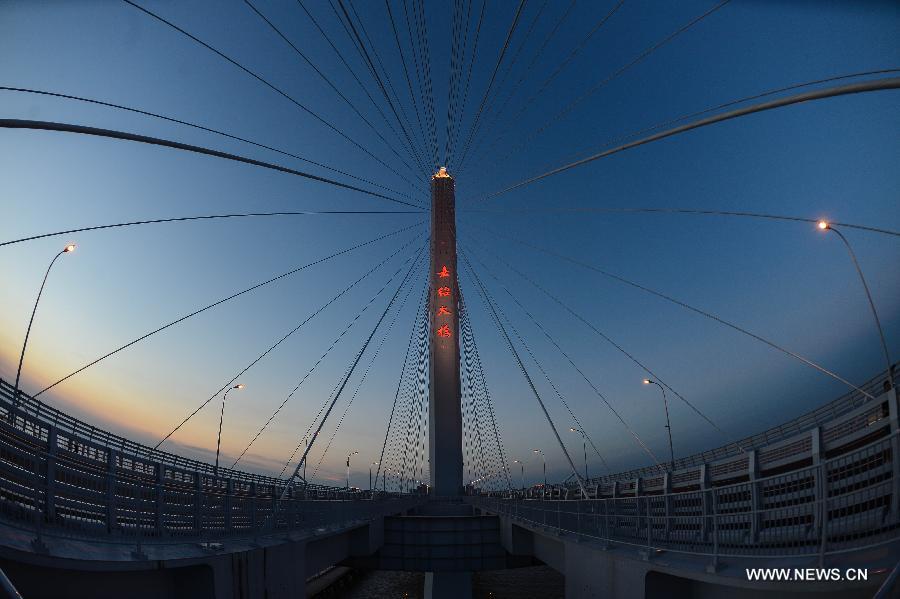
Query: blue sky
785,281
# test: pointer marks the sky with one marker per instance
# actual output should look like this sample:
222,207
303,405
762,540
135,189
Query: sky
785,281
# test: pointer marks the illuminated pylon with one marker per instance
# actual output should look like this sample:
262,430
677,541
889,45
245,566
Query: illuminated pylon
444,414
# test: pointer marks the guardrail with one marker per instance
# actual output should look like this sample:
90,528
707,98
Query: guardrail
842,504
827,413
829,490
59,473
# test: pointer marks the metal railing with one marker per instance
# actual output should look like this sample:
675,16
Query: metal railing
823,414
843,503
825,490
833,486
62,475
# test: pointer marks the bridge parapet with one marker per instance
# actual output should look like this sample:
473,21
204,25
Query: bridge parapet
776,446
61,474
828,491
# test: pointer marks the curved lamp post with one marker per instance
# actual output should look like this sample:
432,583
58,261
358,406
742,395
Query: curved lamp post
584,447
522,465
348,467
222,417
544,459
826,226
306,446
668,424
66,250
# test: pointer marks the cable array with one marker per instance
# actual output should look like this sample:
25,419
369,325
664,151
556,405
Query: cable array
346,379
402,383
411,151
493,471
199,127
477,119
331,85
613,76
498,322
334,343
372,360
274,88
571,361
545,85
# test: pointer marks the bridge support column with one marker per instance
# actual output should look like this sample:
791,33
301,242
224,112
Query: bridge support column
276,572
592,574
448,585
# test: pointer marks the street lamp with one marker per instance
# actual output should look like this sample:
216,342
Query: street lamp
222,417
522,464
370,475
545,466
66,250
348,467
826,226
584,446
306,446
668,424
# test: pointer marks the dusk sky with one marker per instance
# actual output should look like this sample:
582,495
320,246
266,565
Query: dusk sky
786,281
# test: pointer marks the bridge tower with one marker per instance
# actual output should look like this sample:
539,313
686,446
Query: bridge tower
444,411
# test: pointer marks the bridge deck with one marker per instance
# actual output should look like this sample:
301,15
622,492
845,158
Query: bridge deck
62,476
827,493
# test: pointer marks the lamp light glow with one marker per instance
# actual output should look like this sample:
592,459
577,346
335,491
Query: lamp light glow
69,248
823,224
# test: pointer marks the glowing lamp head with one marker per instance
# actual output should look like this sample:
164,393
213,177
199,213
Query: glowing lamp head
574,430
69,248
647,381
238,386
822,225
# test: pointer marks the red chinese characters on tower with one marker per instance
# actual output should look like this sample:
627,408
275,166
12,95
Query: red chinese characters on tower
443,330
